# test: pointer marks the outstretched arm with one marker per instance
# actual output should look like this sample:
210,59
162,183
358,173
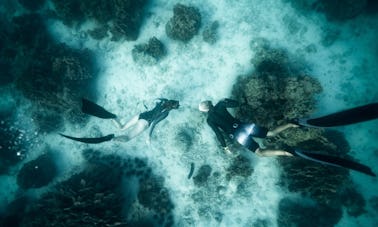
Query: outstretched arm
230,103
281,128
161,117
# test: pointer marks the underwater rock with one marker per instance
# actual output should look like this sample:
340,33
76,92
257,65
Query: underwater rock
292,212
240,166
276,92
12,216
92,197
32,4
153,195
109,191
353,201
319,182
124,16
270,100
185,136
210,33
12,145
29,32
150,53
202,175
184,24
342,9
56,79
37,173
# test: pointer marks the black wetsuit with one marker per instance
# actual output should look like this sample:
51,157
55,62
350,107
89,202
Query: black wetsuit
219,118
159,112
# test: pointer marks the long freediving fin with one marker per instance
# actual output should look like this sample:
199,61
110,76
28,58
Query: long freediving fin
90,140
93,109
335,161
346,117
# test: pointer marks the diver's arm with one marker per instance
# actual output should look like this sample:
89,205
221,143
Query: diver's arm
159,118
271,153
130,123
217,133
281,128
230,103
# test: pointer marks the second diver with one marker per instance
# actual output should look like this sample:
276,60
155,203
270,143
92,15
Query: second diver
134,126
252,136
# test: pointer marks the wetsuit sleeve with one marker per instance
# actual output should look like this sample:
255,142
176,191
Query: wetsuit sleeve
230,103
218,133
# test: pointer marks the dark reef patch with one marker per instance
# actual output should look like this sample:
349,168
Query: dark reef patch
39,172
340,10
302,213
13,144
109,191
203,173
150,53
240,166
122,18
32,4
184,24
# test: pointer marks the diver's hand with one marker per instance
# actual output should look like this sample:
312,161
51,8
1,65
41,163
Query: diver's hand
227,150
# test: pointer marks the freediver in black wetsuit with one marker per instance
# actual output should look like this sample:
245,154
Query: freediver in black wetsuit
138,123
251,135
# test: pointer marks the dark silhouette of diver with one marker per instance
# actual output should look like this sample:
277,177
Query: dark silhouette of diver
252,136
138,123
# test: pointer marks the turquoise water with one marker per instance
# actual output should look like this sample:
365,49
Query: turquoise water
53,53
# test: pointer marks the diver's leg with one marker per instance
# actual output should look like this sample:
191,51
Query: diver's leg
271,153
140,126
280,129
130,123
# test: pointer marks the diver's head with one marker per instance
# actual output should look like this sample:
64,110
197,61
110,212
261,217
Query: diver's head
205,106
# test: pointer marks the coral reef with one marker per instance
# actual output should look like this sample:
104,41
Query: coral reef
123,18
275,93
240,166
32,4
39,172
210,33
149,53
184,24
56,80
13,147
109,191
339,10
202,175
303,213
342,9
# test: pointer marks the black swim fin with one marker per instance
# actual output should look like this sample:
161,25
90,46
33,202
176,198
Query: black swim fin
334,161
346,117
93,109
90,140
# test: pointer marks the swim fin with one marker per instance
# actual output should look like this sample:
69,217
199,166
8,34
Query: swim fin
334,161
346,117
90,140
93,109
